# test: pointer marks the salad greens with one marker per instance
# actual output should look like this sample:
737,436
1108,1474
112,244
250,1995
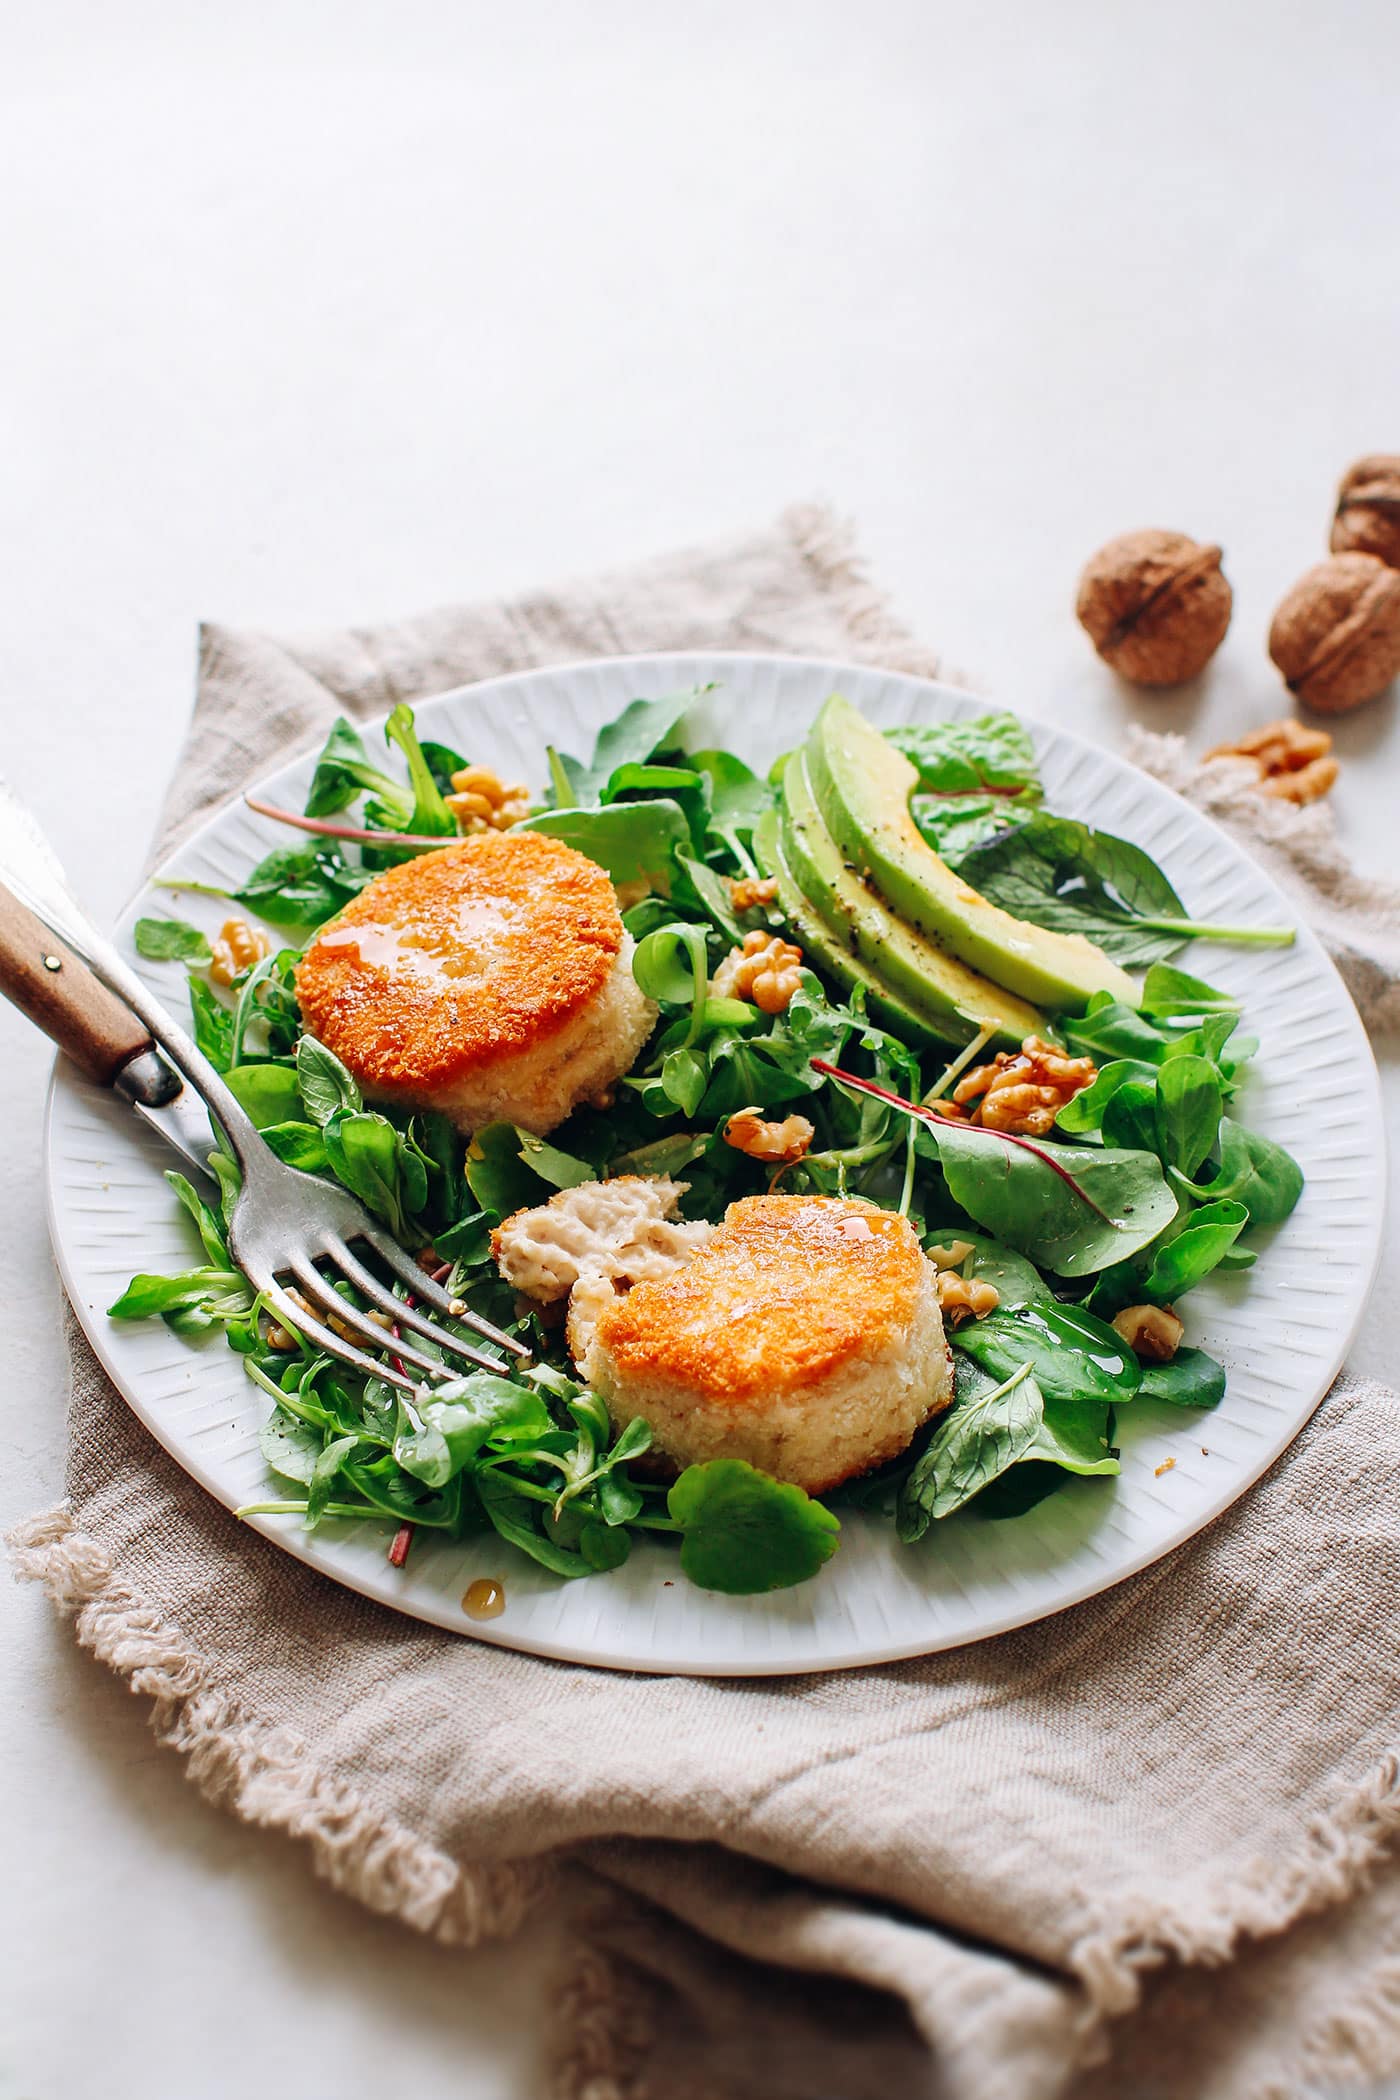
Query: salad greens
1149,1183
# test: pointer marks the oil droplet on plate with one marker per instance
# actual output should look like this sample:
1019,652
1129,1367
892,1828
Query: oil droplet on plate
485,1598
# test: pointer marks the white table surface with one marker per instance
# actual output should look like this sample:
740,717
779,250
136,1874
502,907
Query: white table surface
319,312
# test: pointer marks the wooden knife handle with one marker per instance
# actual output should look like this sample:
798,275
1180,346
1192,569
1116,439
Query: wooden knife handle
61,996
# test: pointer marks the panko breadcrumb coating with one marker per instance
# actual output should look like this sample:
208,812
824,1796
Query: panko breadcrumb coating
803,1336
491,979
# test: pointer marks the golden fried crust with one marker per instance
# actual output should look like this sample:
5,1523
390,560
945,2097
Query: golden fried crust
462,957
789,1290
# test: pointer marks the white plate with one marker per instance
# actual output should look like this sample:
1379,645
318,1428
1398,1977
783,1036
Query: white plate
1282,1329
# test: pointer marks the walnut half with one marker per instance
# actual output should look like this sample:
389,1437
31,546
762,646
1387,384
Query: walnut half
779,1144
1022,1091
1295,764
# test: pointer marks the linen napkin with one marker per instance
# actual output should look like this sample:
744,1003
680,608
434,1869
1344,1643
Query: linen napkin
1141,1848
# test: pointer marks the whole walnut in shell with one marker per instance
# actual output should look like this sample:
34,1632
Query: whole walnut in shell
1368,509
1155,605
1336,636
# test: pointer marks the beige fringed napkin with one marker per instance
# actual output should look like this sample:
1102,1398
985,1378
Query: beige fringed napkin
1149,1836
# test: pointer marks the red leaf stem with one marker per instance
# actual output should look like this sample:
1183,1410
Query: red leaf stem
355,833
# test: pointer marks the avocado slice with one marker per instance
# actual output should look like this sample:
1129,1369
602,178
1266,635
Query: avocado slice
955,1001
862,786
823,950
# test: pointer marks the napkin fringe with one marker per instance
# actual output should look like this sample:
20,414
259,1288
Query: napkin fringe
827,544
263,1774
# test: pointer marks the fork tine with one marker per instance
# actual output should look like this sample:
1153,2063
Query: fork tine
422,1285
290,1314
379,1294
311,1280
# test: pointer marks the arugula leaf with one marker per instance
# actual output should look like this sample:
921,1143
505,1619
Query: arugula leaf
171,940
992,1424
325,1085
642,728
1191,1379
743,1532
1071,1209
1073,1355
636,842
975,778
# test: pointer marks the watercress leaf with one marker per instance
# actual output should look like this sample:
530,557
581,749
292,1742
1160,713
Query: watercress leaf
171,940
1191,1379
268,1093
1187,1112
344,771
1071,1209
148,1295
1061,874
603,1546
1015,1280
324,1083
290,1447
1182,1261
298,1145
1086,1110
636,842
429,813
208,1224
213,1025
619,1501
992,1424
1073,1355
1168,992
743,1532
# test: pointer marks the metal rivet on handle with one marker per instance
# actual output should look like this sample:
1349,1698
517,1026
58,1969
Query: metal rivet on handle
53,962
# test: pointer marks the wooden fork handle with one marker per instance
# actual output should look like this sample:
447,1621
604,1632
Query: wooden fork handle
60,995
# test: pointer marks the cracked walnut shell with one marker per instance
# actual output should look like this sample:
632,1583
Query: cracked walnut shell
1336,635
1368,509
1155,605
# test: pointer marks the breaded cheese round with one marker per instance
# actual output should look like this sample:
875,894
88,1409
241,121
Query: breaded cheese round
491,979
803,1336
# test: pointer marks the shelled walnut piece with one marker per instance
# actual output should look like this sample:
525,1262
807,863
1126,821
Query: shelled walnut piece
1294,763
766,970
1152,1332
779,1144
1020,1091
963,1298
480,800
752,892
238,947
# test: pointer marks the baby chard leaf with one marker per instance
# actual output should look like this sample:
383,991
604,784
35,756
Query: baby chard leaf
1071,1209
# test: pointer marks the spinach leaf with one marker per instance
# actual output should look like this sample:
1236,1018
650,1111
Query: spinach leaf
496,1174
370,1158
300,887
1191,1379
171,940
1073,1355
1187,1112
975,778
642,728
514,1519
991,1425
1253,1171
744,1533
290,1447
1167,992
468,1242
323,1081
1130,1117
1085,1111
1072,1209
1074,1435
298,1145
562,1170
636,842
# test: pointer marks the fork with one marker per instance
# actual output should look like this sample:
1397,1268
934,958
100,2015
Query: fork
284,1222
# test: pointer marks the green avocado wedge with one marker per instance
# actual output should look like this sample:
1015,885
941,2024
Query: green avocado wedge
824,952
955,1002
862,786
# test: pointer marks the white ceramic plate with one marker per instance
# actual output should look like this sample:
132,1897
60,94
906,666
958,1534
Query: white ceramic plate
1282,1329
